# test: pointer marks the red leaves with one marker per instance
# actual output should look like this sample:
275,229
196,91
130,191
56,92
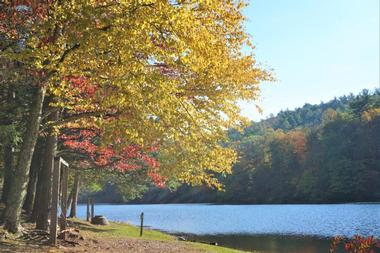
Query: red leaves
151,162
123,166
131,157
131,151
82,85
21,14
357,244
157,179
87,133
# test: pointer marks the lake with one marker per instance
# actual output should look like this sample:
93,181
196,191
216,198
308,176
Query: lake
267,228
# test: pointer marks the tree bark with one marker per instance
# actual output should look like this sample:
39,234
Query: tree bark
43,209
40,178
74,202
34,168
8,170
7,148
37,198
17,190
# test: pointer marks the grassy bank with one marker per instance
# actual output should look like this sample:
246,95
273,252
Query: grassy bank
116,237
123,231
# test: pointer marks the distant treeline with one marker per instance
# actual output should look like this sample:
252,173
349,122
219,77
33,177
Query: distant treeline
326,153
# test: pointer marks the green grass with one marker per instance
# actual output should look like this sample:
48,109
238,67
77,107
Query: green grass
116,229
125,230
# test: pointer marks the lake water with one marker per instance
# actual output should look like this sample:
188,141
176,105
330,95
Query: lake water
254,226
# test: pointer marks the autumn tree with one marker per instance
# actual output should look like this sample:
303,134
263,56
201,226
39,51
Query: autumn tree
162,73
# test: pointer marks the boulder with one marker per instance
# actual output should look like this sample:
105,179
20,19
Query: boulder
99,220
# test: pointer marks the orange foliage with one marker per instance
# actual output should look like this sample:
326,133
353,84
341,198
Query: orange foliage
297,139
357,244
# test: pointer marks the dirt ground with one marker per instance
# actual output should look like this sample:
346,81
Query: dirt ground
33,242
102,245
130,245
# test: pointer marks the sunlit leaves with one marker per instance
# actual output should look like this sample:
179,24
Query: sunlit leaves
165,73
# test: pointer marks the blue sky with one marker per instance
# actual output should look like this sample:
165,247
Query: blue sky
318,49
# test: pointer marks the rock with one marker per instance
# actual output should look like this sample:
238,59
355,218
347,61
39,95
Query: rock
181,238
100,220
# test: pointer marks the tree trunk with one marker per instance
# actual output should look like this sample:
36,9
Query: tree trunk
34,168
43,209
37,198
17,190
70,198
38,195
74,202
7,148
40,178
8,170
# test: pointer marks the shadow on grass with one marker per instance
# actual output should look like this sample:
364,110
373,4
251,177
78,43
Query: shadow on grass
84,226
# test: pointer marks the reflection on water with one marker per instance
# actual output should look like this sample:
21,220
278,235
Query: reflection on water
267,243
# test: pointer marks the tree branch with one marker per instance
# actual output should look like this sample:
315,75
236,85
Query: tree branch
66,52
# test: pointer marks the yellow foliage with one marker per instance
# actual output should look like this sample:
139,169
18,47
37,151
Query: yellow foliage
370,114
170,71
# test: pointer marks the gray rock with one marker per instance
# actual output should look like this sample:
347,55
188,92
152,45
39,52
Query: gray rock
99,220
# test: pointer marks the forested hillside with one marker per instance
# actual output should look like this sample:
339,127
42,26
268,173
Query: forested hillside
315,154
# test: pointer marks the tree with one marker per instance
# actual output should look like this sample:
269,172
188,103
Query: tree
175,83
75,192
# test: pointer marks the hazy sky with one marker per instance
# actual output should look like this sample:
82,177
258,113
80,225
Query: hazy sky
318,49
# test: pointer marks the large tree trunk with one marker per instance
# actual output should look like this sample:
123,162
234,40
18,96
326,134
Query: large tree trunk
8,169
34,168
43,209
17,190
74,202
40,177
7,148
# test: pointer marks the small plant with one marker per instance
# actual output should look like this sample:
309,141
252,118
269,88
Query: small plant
357,244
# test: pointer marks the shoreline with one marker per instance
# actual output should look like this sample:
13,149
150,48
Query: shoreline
116,237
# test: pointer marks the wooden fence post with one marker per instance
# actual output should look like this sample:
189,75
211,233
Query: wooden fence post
54,207
141,223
